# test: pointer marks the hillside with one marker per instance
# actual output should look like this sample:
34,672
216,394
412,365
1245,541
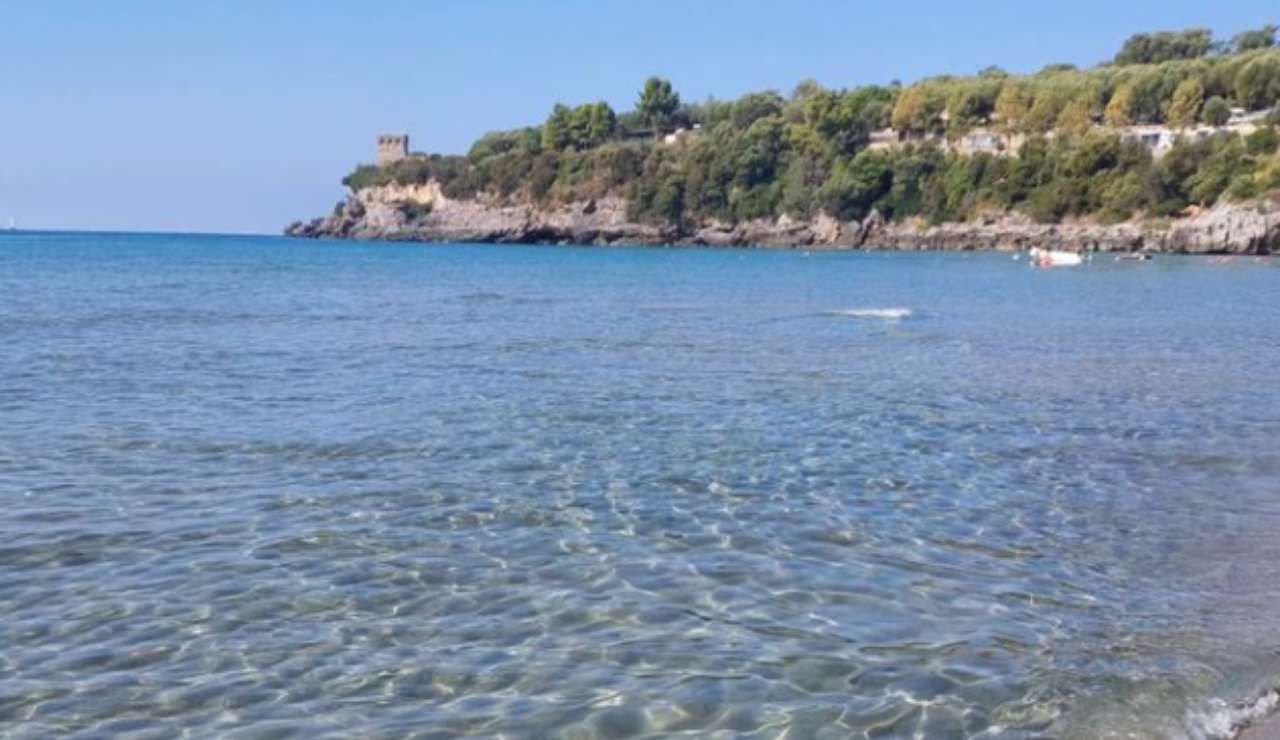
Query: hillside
1175,126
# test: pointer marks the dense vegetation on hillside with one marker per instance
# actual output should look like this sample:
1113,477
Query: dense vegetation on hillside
764,154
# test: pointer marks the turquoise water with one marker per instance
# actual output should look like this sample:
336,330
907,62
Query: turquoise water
303,489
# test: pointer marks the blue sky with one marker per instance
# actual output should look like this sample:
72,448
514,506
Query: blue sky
239,116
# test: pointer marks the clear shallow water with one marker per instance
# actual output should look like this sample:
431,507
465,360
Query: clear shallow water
284,487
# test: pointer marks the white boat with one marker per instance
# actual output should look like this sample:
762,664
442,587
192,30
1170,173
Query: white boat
1054,258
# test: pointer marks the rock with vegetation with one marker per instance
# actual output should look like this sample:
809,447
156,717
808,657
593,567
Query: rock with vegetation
802,169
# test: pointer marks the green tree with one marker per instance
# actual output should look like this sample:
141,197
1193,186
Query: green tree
581,128
709,113
591,125
759,152
1258,83
1123,195
854,185
751,108
658,104
806,89
1120,108
1262,38
1184,108
1154,48
1013,104
604,122
1265,178
971,105
918,110
841,122
1077,118
1211,178
1216,112
557,132
1043,115
805,141
496,143
800,185
1150,93
912,168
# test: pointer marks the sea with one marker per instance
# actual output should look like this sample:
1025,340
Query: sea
268,488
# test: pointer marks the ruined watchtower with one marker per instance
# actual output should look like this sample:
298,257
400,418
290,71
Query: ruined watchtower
392,148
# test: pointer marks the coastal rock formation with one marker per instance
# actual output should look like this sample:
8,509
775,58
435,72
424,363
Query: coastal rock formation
424,213
1224,229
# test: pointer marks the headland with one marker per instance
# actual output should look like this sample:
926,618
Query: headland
1172,146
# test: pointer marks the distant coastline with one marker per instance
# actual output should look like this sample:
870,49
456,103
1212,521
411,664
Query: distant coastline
1173,146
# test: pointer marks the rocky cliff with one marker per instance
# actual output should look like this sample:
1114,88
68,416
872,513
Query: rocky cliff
424,213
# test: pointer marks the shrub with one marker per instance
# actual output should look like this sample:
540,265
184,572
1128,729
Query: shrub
1263,141
1216,112
413,210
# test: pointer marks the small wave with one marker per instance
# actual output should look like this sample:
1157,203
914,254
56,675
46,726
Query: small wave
481,296
1230,721
890,314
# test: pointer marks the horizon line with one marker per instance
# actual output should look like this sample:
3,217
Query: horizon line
133,232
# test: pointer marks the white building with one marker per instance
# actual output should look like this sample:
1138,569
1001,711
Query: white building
1160,139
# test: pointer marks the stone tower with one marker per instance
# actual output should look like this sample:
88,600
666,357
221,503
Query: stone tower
392,148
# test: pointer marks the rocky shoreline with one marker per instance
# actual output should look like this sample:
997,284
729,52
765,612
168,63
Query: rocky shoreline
424,213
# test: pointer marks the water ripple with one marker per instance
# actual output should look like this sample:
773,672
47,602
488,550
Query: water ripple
263,489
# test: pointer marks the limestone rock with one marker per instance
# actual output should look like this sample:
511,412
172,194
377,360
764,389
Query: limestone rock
423,212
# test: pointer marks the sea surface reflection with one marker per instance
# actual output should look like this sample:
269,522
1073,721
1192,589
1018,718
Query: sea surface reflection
292,488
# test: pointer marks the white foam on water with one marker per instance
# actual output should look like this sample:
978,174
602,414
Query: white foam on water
891,314
1224,721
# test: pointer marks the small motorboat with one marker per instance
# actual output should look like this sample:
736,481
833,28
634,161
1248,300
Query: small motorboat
1133,257
1054,258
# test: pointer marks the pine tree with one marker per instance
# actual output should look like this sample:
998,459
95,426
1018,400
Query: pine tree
556,132
658,103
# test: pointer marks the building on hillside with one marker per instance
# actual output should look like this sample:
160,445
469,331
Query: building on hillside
392,148
921,137
981,141
1157,139
1246,123
1160,139
1241,117
977,141
891,138
681,133
884,139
